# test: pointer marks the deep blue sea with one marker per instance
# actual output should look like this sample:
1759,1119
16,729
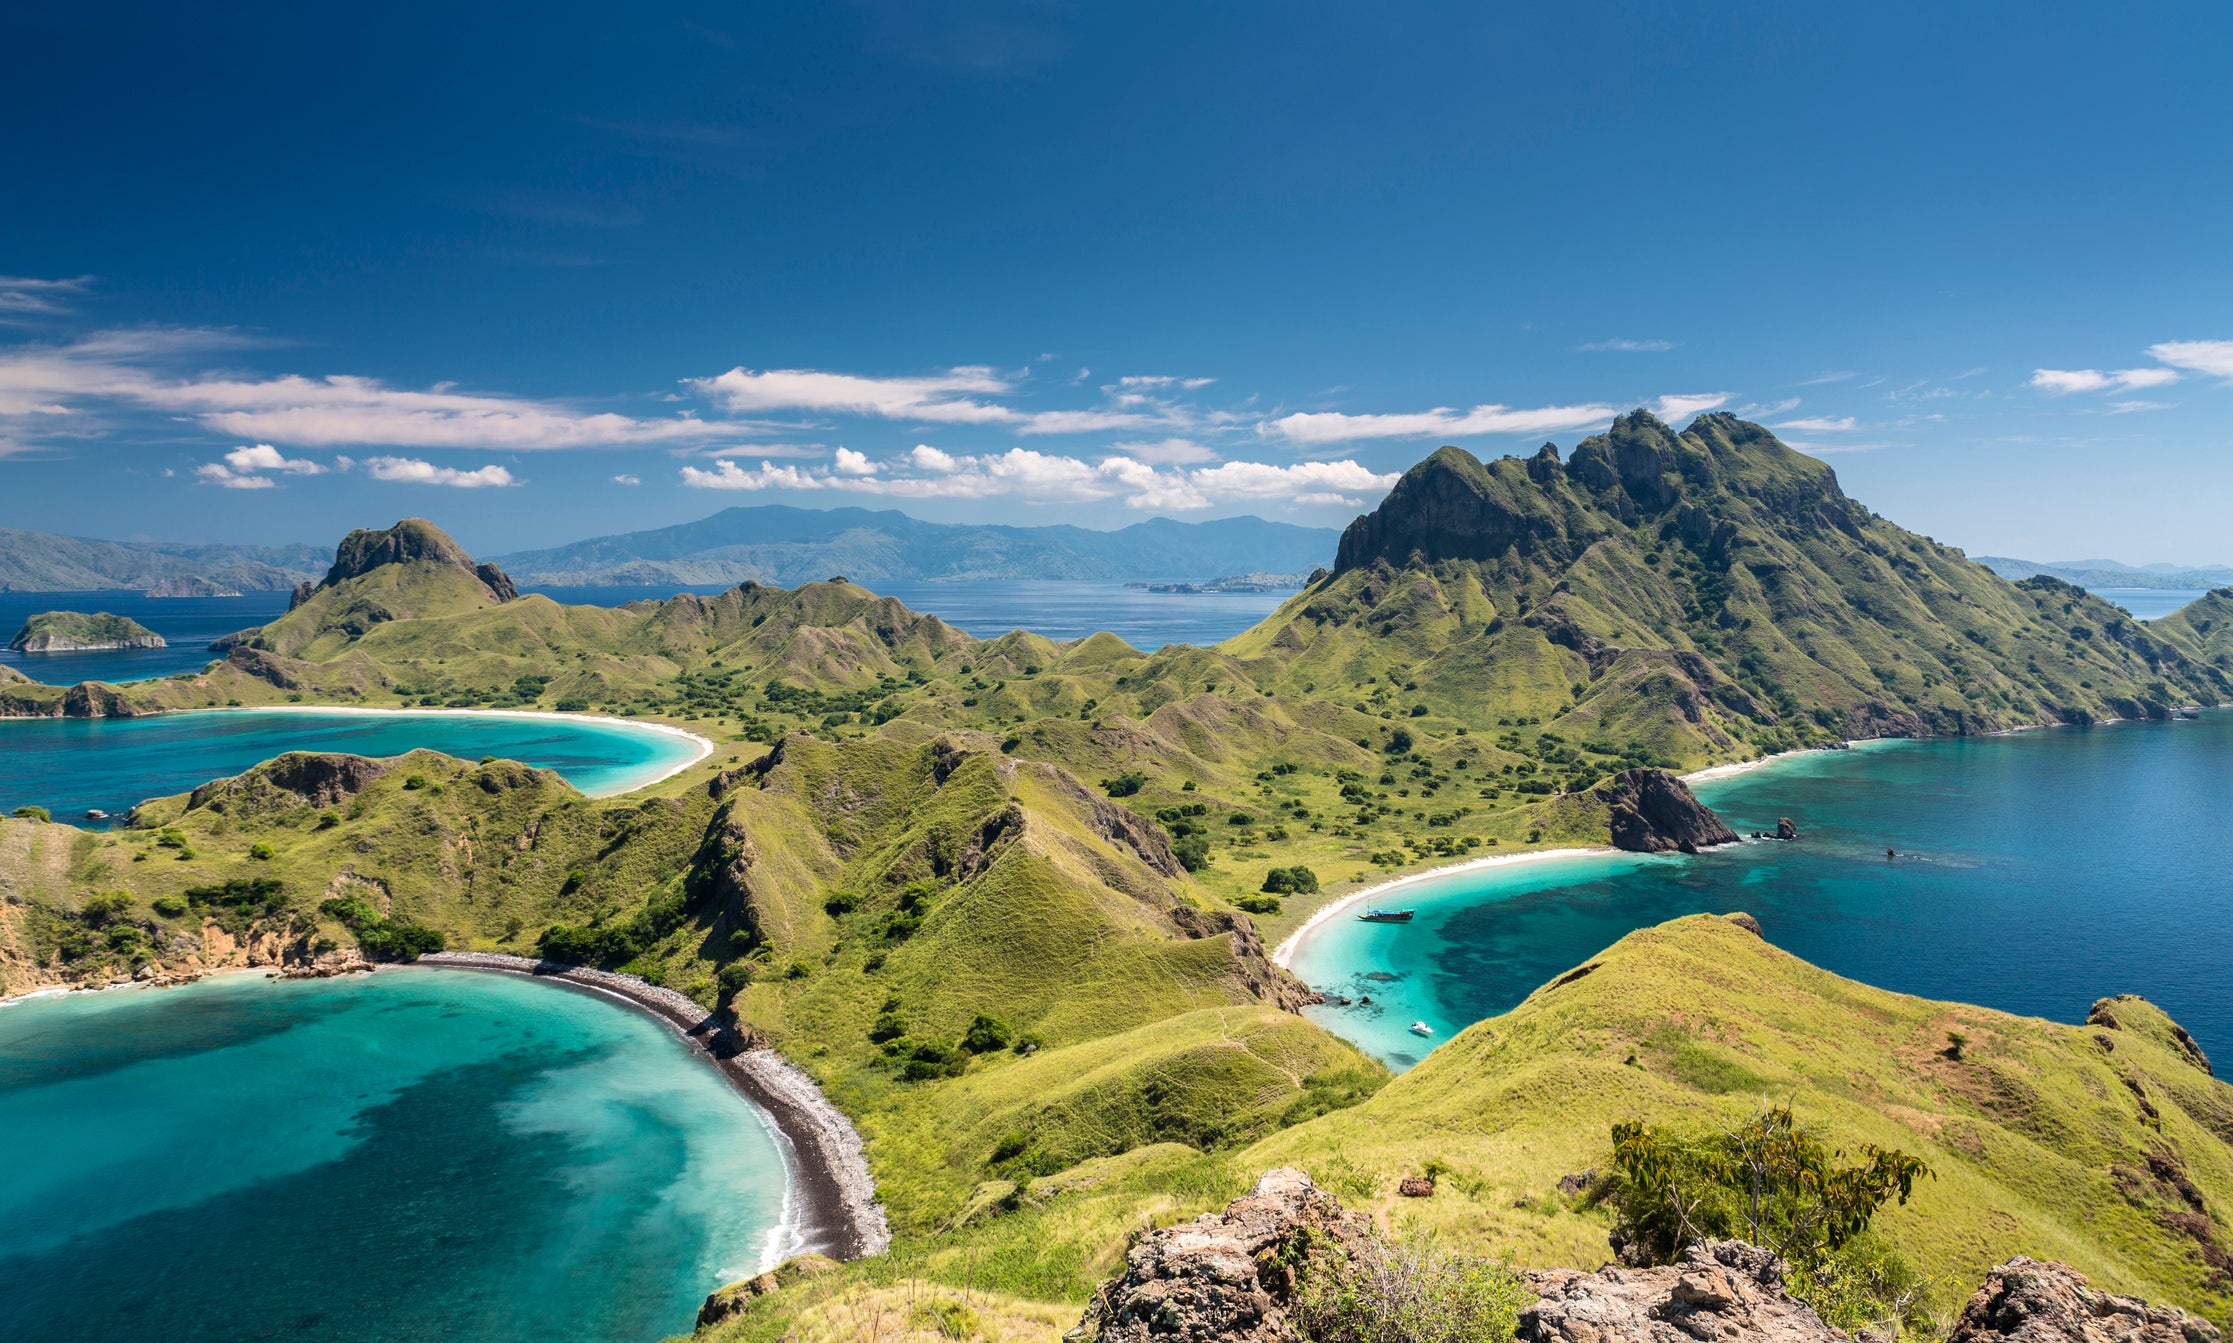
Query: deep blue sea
71,765
421,1154
2036,873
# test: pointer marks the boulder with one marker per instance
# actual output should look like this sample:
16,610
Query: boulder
732,1299
2034,1301
1785,830
1222,1276
1723,1290
1652,811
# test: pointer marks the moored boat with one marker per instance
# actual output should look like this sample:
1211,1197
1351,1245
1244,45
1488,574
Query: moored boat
1386,916
1421,1028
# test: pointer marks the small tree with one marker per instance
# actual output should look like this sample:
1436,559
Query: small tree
1768,1180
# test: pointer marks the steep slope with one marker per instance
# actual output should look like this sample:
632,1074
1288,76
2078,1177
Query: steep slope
1707,595
2108,1145
787,546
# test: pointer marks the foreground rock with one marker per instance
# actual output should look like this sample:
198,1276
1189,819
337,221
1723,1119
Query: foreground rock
1652,811
2031,1301
1723,1290
1219,1277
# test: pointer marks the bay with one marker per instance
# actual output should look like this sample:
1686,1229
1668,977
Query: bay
2035,872
410,1155
70,765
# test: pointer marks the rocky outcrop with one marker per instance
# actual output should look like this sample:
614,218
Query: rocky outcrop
411,540
1223,1276
2131,1012
2033,1301
1723,1290
305,778
732,1300
296,598
1652,811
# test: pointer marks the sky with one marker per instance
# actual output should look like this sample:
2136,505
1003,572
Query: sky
540,273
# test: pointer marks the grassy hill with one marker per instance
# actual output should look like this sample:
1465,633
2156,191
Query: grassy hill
1006,899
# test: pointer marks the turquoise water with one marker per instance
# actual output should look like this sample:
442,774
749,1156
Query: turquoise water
2036,873
68,765
416,1155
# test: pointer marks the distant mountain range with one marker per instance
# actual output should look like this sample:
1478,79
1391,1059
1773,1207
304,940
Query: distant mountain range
788,546
45,562
2112,574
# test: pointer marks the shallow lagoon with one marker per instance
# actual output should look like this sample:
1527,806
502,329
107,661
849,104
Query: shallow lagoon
69,765
2037,872
411,1155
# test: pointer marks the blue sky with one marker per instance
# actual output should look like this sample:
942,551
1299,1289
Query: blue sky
547,272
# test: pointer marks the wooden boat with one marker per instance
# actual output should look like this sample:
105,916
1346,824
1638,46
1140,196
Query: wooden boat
1386,916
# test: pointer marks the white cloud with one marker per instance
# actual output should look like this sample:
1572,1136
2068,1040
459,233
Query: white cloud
1625,346
2064,381
625,479
1314,428
1167,452
944,399
1820,424
265,457
1161,383
1683,407
410,471
2211,357
1021,473
2128,407
217,473
851,463
1756,410
122,369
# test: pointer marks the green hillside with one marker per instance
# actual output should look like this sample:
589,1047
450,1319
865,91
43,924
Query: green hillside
1008,900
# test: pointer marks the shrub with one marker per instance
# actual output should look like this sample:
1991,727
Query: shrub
1125,784
890,1025
260,851
328,820
1399,741
1258,904
1409,1290
985,1036
169,906
32,814
1291,881
414,783
732,979
1192,851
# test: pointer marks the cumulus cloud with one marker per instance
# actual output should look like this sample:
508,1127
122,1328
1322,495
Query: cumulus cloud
411,471
1020,473
1625,346
1317,428
250,467
2063,381
2213,358
851,463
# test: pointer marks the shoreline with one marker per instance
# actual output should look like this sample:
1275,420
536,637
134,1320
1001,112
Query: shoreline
829,1196
704,746
1283,955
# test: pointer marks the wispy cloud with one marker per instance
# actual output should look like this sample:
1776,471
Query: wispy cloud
411,471
1622,345
625,479
2064,381
23,294
2212,358
1836,375
1683,407
957,396
1820,424
1317,428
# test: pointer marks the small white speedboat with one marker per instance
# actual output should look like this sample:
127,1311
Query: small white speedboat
1421,1028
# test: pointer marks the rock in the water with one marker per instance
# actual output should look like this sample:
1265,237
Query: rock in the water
1723,1290
2030,1301
1785,829
1219,1278
1655,812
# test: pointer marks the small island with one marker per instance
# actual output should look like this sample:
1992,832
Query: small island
191,585
81,632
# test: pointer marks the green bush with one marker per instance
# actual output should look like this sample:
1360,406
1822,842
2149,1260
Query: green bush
1192,851
169,906
260,851
1258,904
732,979
1290,881
414,782
32,814
985,1036
1125,784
